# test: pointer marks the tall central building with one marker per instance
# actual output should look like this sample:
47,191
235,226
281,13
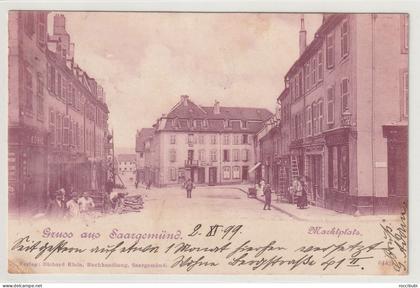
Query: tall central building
212,145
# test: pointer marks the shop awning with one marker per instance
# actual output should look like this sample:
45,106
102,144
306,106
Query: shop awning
254,167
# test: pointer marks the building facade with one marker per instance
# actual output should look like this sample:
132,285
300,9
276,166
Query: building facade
57,115
127,164
142,137
210,145
344,95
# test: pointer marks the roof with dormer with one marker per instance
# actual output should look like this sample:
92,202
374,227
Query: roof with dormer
141,138
188,116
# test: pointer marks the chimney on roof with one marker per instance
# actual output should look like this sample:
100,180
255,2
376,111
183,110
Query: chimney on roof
184,100
216,108
59,24
302,35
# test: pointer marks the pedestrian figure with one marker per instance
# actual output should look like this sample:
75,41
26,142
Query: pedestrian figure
72,206
189,186
267,195
149,183
85,203
107,202
296,190
137,179
302,201
55,207
109,185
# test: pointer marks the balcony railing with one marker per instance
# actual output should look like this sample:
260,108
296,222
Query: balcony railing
346,119
191,163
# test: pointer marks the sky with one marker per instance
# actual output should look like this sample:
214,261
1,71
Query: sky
146,61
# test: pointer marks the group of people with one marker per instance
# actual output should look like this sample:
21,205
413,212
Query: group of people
60,207
298,190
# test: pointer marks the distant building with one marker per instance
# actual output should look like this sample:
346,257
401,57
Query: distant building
127,164
345,113
57,115
211,145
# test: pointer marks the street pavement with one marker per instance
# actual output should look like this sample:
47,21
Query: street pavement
229,202
217,202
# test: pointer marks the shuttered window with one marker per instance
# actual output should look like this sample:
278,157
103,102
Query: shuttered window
330,50
345,94
330,105
345,38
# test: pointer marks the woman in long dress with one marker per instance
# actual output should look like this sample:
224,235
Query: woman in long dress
303,199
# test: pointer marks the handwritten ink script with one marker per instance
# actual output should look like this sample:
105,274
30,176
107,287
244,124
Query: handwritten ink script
396,241
214,246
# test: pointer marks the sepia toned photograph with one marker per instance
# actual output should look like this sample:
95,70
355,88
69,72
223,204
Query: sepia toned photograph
207,143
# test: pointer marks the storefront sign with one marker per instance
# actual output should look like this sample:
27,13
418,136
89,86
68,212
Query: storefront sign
338,137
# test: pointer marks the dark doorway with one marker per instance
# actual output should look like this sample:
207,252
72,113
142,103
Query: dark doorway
244,173
201,175
212,175
397,169
316,176
397,136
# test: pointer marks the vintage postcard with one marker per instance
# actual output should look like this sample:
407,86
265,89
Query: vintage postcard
207,143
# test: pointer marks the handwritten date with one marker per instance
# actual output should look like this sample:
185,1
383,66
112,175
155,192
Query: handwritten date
227,232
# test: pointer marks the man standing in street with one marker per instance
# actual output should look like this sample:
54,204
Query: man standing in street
267,195
189,187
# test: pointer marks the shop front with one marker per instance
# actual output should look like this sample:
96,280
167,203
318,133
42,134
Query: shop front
27,170
397,150
314,156
337,193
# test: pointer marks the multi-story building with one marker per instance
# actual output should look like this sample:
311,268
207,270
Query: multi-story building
141,137
210,145
345,107
127,168
57,114
127,164
267,150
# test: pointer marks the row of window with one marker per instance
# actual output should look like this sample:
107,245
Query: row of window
127,163
228,155
228,173
65,131
127,168
65,90
29,93
311,121
313,70
36,22
237,139
195,123
203,123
